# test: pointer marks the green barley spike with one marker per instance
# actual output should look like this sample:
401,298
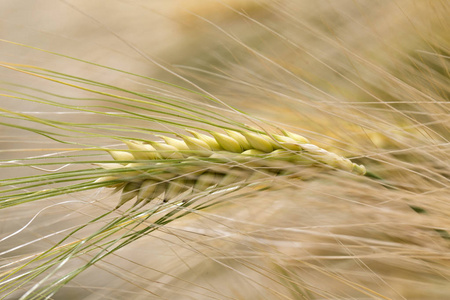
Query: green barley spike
207,161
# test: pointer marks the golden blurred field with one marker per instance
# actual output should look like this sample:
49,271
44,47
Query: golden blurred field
368,80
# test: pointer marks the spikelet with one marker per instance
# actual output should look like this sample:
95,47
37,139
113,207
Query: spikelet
130,191
180,145
234,175
239,138
204,181
253,152
227,143
258,142
284,139
121,155
296,137
167,151
151,194
212,143
175,188
110,166
200,147
216,161
142,151
109,179
147,188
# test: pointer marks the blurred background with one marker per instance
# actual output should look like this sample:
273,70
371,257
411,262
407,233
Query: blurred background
365,79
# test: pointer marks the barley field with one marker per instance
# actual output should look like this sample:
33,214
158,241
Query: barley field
224,149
